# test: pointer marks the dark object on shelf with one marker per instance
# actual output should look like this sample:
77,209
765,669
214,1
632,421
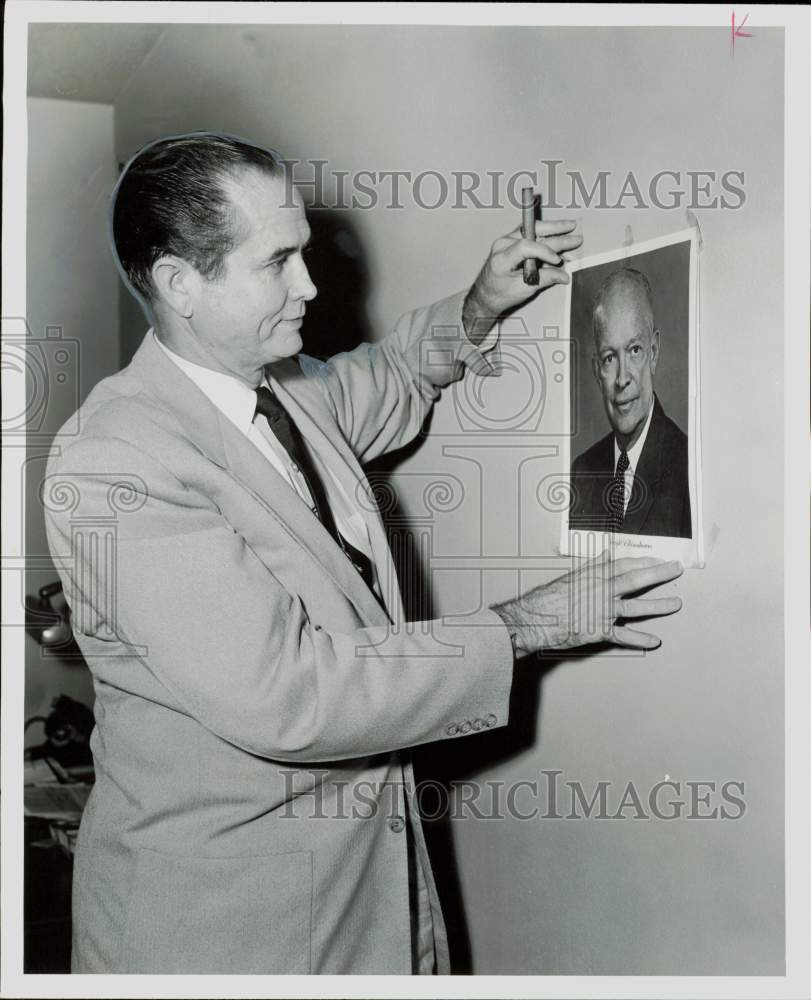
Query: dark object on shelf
47,619
67,733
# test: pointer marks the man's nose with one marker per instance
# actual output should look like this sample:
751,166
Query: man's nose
623,374
302,286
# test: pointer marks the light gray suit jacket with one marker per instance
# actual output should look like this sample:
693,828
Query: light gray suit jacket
252,696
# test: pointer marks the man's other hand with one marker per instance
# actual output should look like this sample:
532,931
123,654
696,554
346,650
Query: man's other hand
590,605
500,285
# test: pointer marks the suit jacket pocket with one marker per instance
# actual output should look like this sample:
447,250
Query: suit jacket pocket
219,915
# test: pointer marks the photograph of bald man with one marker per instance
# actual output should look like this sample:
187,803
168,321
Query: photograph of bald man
634,480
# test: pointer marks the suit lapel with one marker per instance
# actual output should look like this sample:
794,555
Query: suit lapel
646,476
599,486
223,444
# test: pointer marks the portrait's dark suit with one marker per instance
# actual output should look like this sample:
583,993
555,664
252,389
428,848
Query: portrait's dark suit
660,499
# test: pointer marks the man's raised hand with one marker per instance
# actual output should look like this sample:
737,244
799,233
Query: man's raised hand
500,285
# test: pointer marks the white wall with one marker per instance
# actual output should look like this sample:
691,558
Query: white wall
687,897
71,284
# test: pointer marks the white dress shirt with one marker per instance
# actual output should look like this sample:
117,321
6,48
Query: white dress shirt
633,457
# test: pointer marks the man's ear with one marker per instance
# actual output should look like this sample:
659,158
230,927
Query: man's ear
654,350
173,281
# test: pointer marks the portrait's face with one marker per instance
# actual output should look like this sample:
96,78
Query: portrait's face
251,315
626,353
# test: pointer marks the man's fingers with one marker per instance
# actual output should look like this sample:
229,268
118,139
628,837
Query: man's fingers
550,276
637,607
609,566
642,579
515,254
623,636
620,566
557,228
543,229
560,244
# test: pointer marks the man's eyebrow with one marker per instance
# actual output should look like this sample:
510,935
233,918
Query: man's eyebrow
286,251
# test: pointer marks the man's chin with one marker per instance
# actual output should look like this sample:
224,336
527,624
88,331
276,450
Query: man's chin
295,343
285,345
627,425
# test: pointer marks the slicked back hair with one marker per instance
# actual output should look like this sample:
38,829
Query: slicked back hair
172,198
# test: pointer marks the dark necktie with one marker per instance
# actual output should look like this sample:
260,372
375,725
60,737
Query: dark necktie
289,436
616,495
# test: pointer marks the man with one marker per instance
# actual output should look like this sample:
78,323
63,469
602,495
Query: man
635,479
256,691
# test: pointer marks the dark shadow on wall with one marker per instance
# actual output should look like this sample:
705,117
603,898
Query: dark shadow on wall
336,318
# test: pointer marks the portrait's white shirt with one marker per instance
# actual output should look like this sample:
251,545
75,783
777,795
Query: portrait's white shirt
633,457
235,400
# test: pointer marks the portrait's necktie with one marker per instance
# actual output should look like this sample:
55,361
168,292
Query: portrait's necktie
289,436
616,496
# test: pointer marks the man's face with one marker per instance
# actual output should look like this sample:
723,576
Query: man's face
627,349
251,315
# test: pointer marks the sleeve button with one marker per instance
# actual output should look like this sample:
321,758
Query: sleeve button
491,720
465,727
452,729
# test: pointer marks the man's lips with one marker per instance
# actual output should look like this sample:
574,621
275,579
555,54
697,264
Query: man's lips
625,404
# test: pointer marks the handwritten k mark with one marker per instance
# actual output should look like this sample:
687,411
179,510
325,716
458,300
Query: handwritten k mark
737,30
